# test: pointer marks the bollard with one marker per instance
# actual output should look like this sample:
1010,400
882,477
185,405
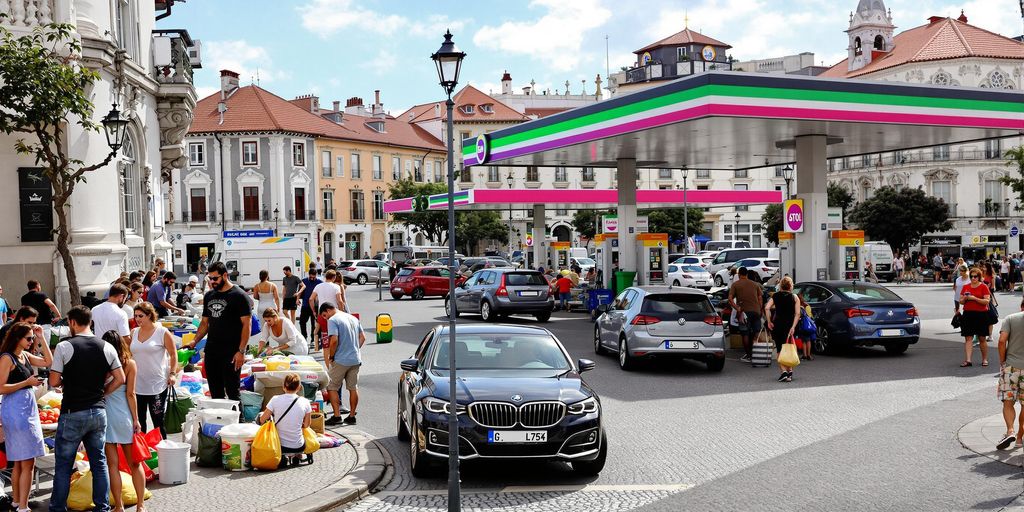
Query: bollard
379,291
384,328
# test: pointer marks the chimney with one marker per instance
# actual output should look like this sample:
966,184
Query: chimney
228,83
935,19
337,106
526,90
963,17
378,107
354,106
506,83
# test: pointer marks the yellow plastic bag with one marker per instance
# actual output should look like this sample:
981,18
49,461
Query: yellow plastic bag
312,443
80,497
266,447
788,355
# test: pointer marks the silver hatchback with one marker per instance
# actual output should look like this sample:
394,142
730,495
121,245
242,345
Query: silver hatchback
642,323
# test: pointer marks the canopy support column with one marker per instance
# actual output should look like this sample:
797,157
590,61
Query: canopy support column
811,252
540,252
625,178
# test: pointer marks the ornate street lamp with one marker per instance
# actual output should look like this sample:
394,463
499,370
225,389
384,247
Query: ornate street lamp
510,180
115,127
448,60
277,223
787,174
736,228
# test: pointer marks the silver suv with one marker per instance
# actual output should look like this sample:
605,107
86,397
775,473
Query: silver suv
362,271
495,292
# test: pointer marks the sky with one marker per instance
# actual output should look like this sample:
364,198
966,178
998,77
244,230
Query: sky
337,49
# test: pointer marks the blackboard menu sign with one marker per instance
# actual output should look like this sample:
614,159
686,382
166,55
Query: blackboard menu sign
36,199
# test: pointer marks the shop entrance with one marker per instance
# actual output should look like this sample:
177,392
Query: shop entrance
195,252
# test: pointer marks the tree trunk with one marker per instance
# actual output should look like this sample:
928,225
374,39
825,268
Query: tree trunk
64,251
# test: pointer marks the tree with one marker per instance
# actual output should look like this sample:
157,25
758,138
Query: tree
44,88
900,216
432,223
475,226
771,219
1015,157
585,221
671,221
839,197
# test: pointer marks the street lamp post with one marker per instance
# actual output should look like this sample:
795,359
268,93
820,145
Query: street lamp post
787,174
277,221
510,180
448,60
686,214
736,227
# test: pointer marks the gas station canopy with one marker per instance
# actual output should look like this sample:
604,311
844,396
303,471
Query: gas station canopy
732,120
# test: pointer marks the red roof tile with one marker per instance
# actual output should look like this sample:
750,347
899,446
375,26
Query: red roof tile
469,95
946,38
543,112
687,36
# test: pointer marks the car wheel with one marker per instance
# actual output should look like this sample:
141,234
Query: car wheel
485,312
402,428
626,361
396,296
447,308
361,279
719,282
417,294
418,462
822,344
598,348
543,317
715,364
592,467
676,283
896,349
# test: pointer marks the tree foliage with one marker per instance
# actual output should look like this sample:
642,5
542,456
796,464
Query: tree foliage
771,219
900,216
473,227
585,221
838,197
44,88
1015,158
673,220
432,223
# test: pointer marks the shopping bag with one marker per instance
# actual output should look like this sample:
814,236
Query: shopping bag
266,447
312,443
153,437
761,351
140,448
209,454
177,409
80,495
788,355
955,322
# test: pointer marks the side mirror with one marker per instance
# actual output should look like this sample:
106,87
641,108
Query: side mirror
604,308
410,365
585,365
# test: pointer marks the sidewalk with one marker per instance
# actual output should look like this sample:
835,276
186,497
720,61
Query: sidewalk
980,436
337,476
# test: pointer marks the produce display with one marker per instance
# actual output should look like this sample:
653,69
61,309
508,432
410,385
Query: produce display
49,408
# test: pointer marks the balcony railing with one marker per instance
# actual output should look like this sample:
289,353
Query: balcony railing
328,214
911,157
200,216
171,60
301,215
251,215
27,13
992,210
656,70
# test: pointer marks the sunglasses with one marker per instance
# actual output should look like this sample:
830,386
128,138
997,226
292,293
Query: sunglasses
30,338
975,276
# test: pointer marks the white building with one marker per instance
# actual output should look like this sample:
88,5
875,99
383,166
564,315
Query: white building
115,220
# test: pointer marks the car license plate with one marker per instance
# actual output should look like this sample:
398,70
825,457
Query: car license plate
690,345
891,332
698,282
527,294
517,436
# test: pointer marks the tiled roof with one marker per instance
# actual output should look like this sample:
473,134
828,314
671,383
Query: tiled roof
687,36
397,132
946,38
543,112
469,95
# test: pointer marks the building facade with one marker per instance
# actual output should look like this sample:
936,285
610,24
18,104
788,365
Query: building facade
152,87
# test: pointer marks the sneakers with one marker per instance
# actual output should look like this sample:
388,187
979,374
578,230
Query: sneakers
782,377
1006,441
786,377
351,420
333,420
745,359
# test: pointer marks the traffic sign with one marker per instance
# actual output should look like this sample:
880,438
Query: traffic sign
1014,231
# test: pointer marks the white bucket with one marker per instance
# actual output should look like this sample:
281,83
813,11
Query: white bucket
220,417
236,442
173,462
217,403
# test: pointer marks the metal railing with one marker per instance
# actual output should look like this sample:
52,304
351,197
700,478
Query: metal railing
199,216
178,69
301,215
657,70
991,209
911,157
251,215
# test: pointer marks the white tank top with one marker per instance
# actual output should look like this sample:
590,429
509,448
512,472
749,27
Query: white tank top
152,361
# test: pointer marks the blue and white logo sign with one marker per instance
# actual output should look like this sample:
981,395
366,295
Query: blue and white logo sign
1014,231
483,148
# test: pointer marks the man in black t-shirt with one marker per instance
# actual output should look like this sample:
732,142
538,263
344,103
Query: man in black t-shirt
38,300
226,324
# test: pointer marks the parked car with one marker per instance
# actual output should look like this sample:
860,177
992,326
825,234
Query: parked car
489,263
700,261
494,292
363,271
856,313
644,323
718,245
521,398
419,282
585,264
690,276
729,256
758,269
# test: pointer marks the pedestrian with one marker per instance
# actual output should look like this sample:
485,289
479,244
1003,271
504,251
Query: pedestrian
869,272
122,425
19,414
563,285
937,266
291,413
783,323
974,300
109,316
745,298
962,279
1014,273
152,348
87,368
1004,274
897,266
265,293
148,280
160,295
329,291
160,267
23,314
184,299
293,288
805,337
308,312
343,359
227,317
37,300
1011,375
279,334
5,308
134,298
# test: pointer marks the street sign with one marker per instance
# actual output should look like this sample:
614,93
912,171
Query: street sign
794,219
529,240
835,218
36,205
1014,231
352,245
249,233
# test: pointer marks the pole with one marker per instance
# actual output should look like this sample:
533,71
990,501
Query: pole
792,244
454,502
686,217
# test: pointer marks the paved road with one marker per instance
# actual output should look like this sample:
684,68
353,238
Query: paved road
861,431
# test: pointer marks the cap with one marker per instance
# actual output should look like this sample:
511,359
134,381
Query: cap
193,279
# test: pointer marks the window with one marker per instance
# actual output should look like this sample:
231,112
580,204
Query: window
865,189
250,153
299,154
742,173
378,172
865,160
664,174
197,204
396,168
993,191
438,171
532,174
588,174
741,186
468,109
341,166
378,205
358,211
417,170
128,28
487,109
251,203
328,212
197,153
429,171
300,204
682,53
465,175
325,164
779,173
561,176
131,191
395,238
703,173
993,148
561,211
940,152
465,136
355,166
492,174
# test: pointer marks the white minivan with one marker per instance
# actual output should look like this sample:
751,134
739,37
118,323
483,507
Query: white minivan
880,256
729,256
718,245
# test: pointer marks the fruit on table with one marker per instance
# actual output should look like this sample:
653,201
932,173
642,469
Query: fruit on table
49,415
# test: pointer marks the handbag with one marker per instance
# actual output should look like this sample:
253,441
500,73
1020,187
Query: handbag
177,409
312,443
955,322
788,355
993,313
762,350
140,448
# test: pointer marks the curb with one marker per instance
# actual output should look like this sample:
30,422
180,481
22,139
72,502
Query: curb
373,462
971,437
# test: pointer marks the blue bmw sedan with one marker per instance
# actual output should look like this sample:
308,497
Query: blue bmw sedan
856,313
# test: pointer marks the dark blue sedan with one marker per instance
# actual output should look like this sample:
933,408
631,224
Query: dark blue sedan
856,313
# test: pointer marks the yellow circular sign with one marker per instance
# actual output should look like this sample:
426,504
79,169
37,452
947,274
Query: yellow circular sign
708,52
645,59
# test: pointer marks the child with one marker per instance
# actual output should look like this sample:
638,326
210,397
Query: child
563,286
804,337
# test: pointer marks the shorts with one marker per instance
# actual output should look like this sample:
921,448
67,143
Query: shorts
290,303
753,324
1010,380
339,374
561,296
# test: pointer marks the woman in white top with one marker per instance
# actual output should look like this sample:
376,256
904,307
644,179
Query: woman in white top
134,298
279,333
291,413
265,294
153,351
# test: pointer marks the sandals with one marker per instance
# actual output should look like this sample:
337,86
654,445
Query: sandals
984,363
965,364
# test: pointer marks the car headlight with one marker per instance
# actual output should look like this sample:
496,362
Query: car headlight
438,406
583,407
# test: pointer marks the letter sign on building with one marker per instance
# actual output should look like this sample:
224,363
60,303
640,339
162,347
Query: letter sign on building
794,216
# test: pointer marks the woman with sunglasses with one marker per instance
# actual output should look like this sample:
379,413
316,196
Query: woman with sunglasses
19,414
157,360
134,298
974,299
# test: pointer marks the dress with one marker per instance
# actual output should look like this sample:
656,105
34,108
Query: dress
20,417
120,427
785,312
266,300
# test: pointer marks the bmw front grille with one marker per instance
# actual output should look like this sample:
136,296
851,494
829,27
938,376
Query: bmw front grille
506,415
493,414
541,414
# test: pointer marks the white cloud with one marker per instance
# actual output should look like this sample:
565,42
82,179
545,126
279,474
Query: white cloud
242,58
435,25
326,17
556,38
382,63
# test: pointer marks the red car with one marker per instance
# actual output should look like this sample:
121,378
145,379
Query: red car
419,282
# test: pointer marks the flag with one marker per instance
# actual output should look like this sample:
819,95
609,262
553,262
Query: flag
691,245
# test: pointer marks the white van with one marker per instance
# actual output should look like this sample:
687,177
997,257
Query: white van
729,256
718,245
578,252
880,256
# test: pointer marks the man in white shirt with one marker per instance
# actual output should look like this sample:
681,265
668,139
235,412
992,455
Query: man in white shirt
110,316
328,292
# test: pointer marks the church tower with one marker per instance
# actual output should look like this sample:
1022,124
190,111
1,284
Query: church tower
870,33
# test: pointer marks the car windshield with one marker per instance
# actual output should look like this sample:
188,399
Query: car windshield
502,352
524,279
858,292
585,261
691,268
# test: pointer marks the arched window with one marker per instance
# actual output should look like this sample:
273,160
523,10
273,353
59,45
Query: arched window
856,46
879,42
131,191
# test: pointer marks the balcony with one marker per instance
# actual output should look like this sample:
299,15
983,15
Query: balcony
301,215
200,216
24,14
657,70
912,157
994,210
173,58
251,215
643,73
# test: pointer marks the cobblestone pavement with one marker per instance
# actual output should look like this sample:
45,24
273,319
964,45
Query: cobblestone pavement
596,499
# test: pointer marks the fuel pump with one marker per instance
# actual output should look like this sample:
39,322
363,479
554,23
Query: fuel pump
607,252
652,256
845,254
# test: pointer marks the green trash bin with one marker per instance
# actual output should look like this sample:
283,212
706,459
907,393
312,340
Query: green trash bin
623,279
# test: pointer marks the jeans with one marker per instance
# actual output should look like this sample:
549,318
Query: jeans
306,316
87,427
